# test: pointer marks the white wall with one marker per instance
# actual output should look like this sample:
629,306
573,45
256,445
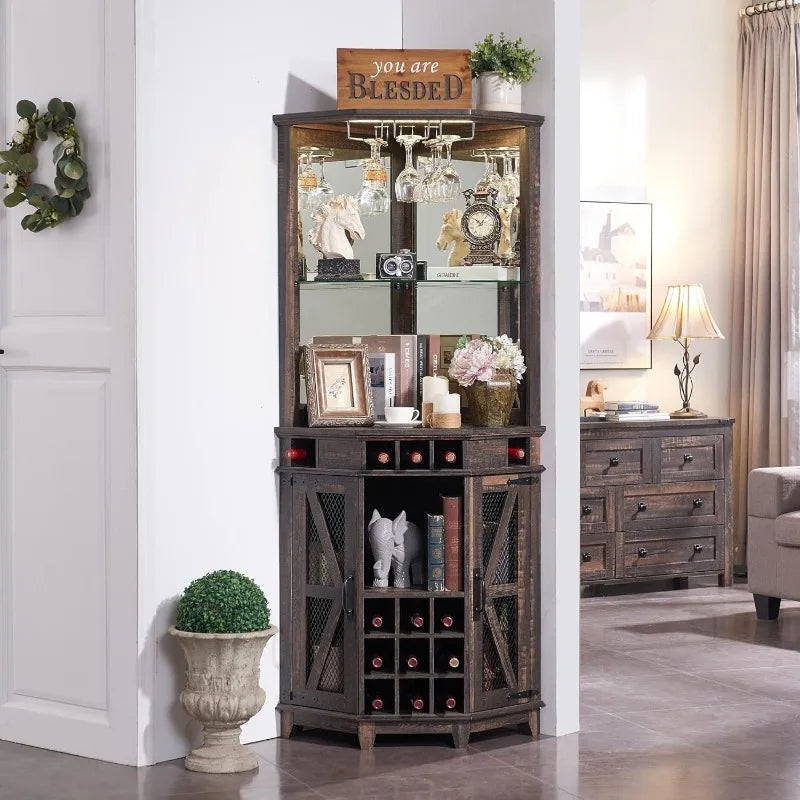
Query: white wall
658,103
207,87
553,29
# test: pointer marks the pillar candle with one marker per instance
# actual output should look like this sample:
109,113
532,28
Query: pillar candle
447,404
431,387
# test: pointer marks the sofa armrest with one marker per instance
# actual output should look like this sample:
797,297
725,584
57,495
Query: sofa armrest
773,491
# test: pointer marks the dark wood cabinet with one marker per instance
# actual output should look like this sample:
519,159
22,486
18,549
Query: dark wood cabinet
656,500
367,660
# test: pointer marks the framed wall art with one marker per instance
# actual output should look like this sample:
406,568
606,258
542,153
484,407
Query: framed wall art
338,385
616,285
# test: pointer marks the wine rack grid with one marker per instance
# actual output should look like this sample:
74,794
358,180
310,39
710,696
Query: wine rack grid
399,680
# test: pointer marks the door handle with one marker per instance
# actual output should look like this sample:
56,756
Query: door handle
478,594
347,595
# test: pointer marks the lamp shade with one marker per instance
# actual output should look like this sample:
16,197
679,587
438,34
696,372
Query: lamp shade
685,315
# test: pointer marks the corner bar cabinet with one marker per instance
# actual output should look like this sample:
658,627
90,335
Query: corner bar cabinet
330,479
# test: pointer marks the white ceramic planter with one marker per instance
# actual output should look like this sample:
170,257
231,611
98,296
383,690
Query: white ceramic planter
497,94
222,693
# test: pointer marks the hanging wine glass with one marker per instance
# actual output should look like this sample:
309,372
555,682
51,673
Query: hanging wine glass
431,183
324,191
374,198
306,181
515,172
507,191
408,180
449,179
490,179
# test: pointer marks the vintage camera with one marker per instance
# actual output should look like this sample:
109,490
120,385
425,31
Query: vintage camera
396,266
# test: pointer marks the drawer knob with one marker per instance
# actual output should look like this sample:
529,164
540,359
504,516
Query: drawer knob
642,552
586,557
698,548
688,458
697,502
586,511
613,461
641,506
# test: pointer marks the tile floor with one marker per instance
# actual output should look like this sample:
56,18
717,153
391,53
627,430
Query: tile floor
685,696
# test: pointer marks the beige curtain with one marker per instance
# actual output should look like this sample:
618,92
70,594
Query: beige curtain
765,374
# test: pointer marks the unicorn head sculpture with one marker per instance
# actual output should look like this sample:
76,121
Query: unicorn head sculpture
336,225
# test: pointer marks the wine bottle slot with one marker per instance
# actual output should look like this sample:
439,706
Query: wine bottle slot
296,454
412,662
447,621
377,662
376,703
450,702
377,621
449,457
417,703
415,457
383,457
516,454
417,620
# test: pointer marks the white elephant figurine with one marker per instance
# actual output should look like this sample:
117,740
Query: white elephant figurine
408,553
381,542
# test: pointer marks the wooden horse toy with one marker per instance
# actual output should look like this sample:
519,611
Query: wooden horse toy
593,400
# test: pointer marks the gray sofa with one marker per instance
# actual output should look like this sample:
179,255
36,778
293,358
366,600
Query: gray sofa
773,538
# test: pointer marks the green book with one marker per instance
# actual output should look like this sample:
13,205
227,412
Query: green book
435,552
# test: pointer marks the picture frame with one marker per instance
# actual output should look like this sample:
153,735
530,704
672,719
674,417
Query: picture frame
616,285
338,385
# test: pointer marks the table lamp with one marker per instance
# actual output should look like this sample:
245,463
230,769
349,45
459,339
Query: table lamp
685,316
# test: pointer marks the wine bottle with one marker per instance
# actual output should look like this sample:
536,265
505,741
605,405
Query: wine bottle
417,620
449,702
376,621
376,661
296,454
383,458
516,454
447,662
415,457
376,702
446,621
412,662
415,701
449,457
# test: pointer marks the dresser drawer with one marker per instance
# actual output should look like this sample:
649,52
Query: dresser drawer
597,559
685,458
597,510
673,505
614,462
675,552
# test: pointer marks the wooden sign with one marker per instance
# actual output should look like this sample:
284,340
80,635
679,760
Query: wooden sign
403,79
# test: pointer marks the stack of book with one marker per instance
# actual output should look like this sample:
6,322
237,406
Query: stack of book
634,411
445,571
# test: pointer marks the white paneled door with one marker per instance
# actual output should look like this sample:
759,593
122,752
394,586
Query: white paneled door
68,551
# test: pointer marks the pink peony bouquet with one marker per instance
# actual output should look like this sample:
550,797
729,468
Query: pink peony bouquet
479,359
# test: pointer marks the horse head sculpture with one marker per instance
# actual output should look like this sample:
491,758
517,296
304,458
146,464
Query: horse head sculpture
451,233
336,225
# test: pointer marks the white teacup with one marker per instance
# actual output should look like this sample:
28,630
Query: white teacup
401,414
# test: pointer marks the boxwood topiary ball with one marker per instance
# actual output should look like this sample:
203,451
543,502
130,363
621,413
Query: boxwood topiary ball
223,602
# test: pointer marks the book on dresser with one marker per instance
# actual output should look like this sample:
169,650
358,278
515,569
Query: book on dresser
453,570
435,552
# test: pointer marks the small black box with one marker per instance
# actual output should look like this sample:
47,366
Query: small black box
396,266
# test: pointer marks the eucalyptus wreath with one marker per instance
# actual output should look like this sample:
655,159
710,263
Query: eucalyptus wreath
17,163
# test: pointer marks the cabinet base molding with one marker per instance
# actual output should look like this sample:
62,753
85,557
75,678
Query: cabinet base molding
459,726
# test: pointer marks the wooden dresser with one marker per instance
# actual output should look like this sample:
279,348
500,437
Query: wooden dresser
656,500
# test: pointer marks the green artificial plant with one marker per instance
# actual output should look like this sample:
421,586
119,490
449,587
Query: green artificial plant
515,62
223,602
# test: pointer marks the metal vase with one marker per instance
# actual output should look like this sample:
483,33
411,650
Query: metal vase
490,401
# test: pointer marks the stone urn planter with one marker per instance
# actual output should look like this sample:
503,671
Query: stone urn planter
495,93
222,692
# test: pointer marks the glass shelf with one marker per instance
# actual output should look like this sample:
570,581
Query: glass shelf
361,284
